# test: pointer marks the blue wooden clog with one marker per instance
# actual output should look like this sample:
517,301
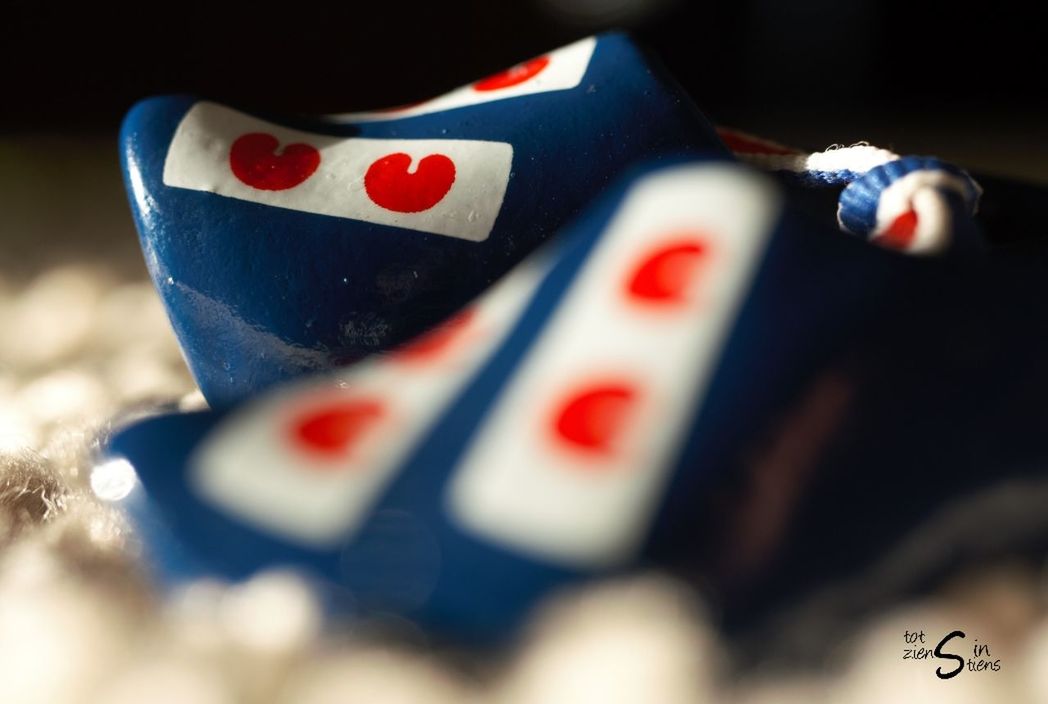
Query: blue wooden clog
569,423
289,245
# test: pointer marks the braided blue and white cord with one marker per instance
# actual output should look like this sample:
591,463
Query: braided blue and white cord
906,203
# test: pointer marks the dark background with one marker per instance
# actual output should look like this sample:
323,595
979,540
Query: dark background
944,79
822,70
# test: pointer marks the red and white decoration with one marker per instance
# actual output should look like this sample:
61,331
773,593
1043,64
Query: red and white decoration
450,187
571,462
562,69
912,214
309,462
906,196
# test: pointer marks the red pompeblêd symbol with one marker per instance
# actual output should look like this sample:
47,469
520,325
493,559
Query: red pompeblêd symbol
391,186
331,430
513,76
254,161
590,419
900,233
666,273
433,343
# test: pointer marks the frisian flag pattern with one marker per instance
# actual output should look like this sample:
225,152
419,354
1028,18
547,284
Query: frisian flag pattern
576,421
282,246
526,443
221,151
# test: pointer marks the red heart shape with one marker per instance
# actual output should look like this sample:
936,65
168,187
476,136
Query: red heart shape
513,76
254,161
391,186
330,430
900,233
666,273
590,419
